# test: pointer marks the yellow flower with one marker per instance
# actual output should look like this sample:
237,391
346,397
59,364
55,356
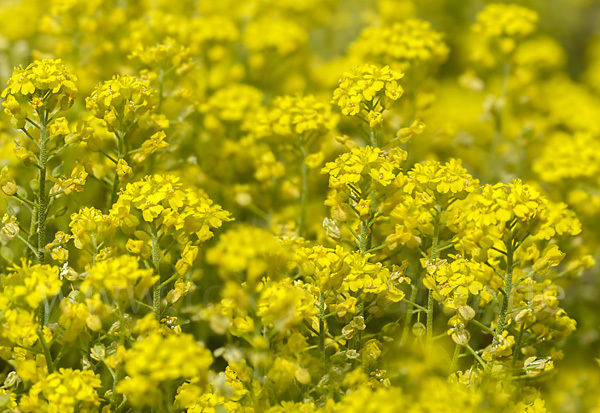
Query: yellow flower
368,88
122,102
9,187
363,208
31,285
158,359
408,43
11,226
285,304
186,261
47,81
68,391
165,56
60,127
121,277
124,170
161,199
90,228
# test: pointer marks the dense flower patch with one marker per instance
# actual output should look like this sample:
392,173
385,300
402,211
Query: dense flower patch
299,206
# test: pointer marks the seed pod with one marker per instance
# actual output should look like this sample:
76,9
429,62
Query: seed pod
465,313
419,329
461,336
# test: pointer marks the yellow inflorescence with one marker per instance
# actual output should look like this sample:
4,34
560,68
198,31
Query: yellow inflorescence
299,206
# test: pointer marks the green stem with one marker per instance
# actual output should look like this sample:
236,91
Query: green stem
409,313
507,290
25,200
498,120
118,374
161,89
373,137
477,356
120,155
47,354
430,315
417,306
433,259
170,279
322,327
31,247
157,286
42,200
455,357
32,232
482,326
364,236
42,203
304,194
518,343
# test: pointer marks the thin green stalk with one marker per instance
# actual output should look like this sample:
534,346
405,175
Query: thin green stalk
455,357
42,203
42,200
157,285
482,326
417,306
507,291
118,375
47,354
518,343
322,327
161,89
498,120
377,248
32,232
477,356
433,259
364,236
373,137
409,313
120,155
430,315
31,247
304,194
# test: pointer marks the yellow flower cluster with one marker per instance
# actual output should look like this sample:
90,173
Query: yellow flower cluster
162,201
285,304
90,228
253,251
66,391
157,359
76,317
506,20
573,157
506,23
298,115
457,281
122,102
431,183
275,35
121,276
368,89
29,285
231,105
226,393
514,210
165,56
377,265
7,184
343,272
406,44
361,165
46,83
